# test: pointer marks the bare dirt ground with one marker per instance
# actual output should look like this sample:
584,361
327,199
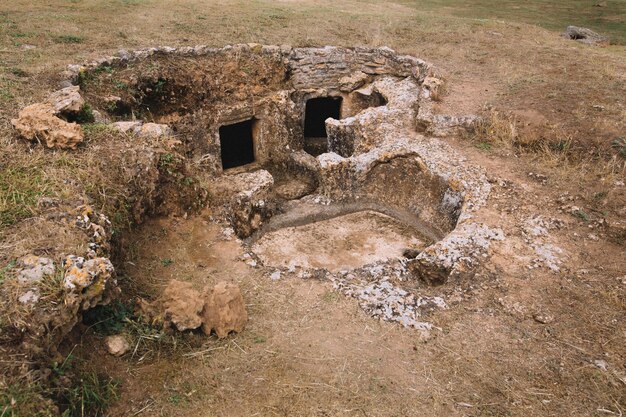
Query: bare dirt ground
514,341
344,242
309,350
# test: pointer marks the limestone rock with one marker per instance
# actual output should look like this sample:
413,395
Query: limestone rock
88,283
353,81
586,36
224,310
432,87
66,101
543,318
34,269
293,190
29,297
155,130
442,125
39,122
117,345
182,306
144,130
81,273
127,127
98,117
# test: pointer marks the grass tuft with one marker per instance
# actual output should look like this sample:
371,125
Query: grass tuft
69,39
91,396
4,270
85,115
20,190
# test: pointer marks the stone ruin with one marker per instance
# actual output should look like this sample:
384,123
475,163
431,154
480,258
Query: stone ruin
291,137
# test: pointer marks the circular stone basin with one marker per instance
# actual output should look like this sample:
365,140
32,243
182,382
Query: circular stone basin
340,243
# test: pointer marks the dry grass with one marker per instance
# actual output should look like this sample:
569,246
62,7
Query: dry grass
486,62
550,146
321,354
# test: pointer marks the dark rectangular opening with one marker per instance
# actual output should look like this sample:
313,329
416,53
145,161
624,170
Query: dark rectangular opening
316,112
237,144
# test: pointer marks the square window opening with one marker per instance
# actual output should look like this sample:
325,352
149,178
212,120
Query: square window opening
316,112
237,144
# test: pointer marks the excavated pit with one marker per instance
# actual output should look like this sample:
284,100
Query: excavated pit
321,161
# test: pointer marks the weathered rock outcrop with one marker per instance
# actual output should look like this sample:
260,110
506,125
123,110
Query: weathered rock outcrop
145,130
47,122
586,36
182,307
224,311
66,102
38,122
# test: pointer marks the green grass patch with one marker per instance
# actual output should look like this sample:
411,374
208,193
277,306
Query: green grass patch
4,270
85,115
5,94
91,396
20,189
69,39
21,400
93,129
18,72
485,146
20,34
581,215
86,77
76,393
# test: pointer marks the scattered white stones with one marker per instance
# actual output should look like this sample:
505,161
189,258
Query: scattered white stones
535,231
515,308
600,364
250,260
542,179
548,256
379,297
228,233
538,226
459,251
